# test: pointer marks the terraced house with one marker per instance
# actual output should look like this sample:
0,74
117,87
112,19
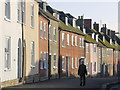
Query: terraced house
43,45
53,40
31,41
91,42
71,46
10,43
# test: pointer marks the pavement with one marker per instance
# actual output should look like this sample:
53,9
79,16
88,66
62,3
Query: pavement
71,83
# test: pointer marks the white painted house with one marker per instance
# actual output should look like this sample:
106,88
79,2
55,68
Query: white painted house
10,42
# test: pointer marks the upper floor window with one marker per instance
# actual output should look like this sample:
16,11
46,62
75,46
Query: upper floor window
80,42
7,53
41,28
23,11
45,30
50,31
72,40
7,9
94,48
32,15
55,63
87,47
68,39
54,33
83,42
76,43
63,39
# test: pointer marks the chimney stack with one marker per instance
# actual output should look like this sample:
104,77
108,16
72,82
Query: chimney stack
96,26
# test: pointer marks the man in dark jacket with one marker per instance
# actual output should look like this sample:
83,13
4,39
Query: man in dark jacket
82,71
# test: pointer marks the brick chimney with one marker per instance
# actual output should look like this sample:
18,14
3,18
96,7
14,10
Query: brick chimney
96,26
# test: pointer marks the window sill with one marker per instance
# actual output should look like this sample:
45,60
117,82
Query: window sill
41,68
6,19
63,69
32,27
32,66
54,67
50,40
6,69
63,46
54,41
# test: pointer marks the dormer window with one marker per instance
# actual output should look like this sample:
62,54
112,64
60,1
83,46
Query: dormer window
54,14
103,38
66,20
97,37
84,31
111,41
93,35
58,16
44,6
74,22
78,27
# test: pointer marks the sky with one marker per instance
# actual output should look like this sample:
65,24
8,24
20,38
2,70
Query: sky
100,11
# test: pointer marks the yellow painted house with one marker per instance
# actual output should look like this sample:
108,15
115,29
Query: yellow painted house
31,39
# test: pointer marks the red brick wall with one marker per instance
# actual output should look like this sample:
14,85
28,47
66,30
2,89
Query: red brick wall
43,44
71,51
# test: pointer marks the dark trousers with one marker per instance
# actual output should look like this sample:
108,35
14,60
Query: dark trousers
82,80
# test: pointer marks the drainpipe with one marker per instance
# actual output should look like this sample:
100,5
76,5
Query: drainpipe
49,60
23,44
59,67
101,62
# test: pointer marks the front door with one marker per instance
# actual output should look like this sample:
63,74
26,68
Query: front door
67,66
49,66
19,60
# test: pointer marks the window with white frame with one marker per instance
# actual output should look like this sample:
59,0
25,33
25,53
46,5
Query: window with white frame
32,15
76,41
94,48
63,63
94,66
87,47
7,53
19,11
32,53
23,11
73,63
54,61
76,63
50,38
83,42
45,60
63,39
68,39
54,33
41,61
7,9
80,42
45,30
41,28
72,40
99,53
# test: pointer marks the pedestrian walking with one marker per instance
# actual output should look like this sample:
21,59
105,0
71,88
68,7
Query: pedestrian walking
82,71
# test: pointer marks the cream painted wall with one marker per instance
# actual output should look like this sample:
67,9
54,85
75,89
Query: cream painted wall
12,29
93,58
31,34
0,41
